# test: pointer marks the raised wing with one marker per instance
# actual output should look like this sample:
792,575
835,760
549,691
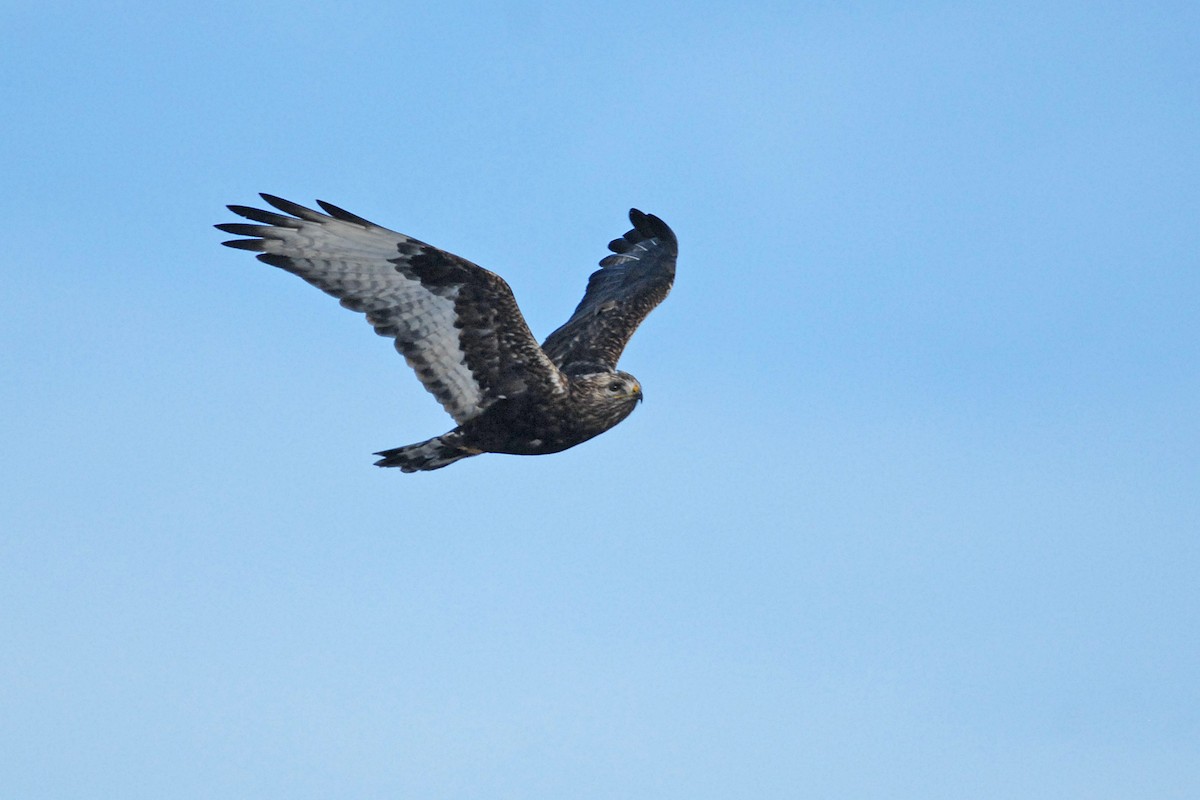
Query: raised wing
630,283
456,324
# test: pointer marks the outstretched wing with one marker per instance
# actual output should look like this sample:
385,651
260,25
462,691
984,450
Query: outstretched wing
456,323
630,284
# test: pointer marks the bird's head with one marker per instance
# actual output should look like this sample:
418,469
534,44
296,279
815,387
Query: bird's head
608,397
620,386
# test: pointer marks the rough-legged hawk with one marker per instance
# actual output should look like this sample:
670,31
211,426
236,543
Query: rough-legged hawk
459,327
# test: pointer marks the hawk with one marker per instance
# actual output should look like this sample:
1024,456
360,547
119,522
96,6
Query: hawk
459,328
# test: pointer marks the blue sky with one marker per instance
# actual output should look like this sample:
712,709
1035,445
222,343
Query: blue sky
911,508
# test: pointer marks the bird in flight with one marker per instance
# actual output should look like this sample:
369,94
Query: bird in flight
459,328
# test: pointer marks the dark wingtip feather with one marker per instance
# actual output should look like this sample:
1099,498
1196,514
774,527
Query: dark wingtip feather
244,244
275,260
268,217
288,207
345,216
241,229
275,200
651,226
645,226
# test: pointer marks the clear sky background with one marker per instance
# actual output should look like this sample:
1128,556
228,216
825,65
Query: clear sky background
911,509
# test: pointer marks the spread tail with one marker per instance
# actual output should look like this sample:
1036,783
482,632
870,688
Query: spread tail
440,451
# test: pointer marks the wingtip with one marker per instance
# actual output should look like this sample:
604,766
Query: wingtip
651,226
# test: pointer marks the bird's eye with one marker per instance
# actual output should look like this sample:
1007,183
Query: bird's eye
614,387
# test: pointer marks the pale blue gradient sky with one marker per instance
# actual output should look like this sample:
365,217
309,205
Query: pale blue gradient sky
911,509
